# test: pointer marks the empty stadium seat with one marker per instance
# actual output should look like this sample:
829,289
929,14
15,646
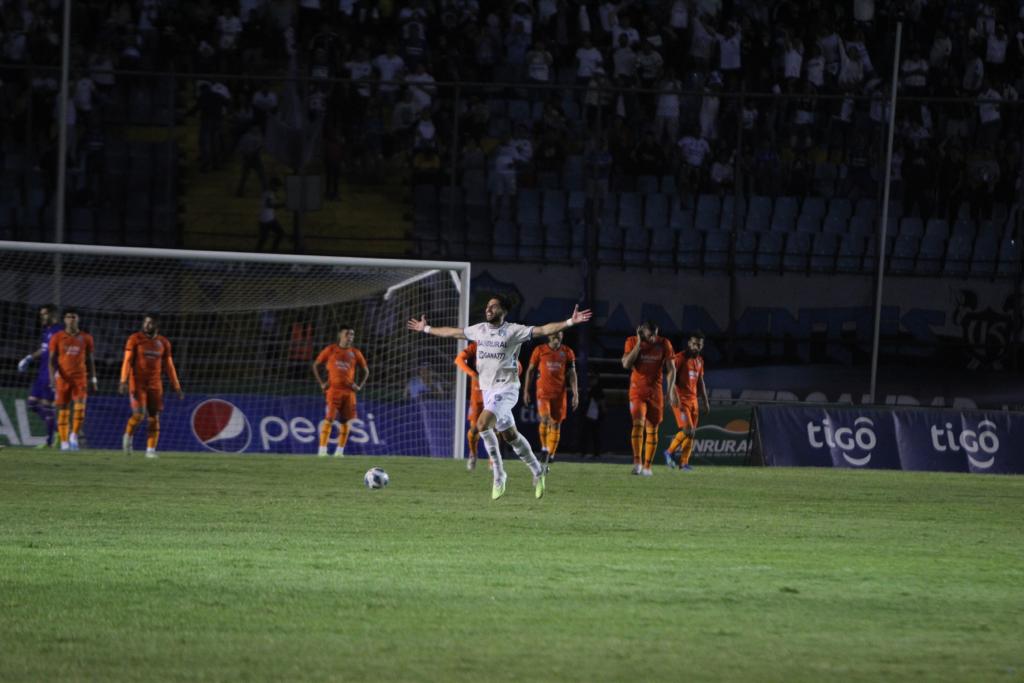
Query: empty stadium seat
528,207
840,207
861,225
798,249
936,228
985,254
903,254
958,254
823,252
647,184
814,206
745,252
716,250
866,207
609,242
636,240
759,214
911,226
690,249
929,257
769,251
1009,257
504,240
656,211
810,224
851,253
708,211
572,173
663,246
630,210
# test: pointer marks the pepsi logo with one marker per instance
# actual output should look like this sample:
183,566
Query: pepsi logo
221,426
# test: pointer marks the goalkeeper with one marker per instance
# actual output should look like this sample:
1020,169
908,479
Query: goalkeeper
40,397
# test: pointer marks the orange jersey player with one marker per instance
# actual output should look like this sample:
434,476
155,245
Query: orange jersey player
147,356
554,364
650,359
466,361
346,374
689,387
72,363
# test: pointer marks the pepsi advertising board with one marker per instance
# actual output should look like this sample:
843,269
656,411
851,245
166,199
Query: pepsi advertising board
908,439
251,424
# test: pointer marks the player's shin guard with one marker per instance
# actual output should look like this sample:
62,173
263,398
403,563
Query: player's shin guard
521,445
493,451
78,419
650,443
325,433
554,434
133,422
152,432
544,434
637,441
63,419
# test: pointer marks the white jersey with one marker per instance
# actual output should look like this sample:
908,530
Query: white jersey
497,350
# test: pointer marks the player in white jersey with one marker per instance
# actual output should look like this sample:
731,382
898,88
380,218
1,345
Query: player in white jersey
497,349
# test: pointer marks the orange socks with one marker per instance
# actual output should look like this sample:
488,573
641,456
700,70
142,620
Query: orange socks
133,422
152,432
637,441
544,434
554,434
473,439
677,441
78,419
325,433
650,443
63,418
343,435
684,459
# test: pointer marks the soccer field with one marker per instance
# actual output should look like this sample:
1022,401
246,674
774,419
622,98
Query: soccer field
201,567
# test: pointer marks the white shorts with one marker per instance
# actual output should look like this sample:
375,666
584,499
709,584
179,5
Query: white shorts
501,401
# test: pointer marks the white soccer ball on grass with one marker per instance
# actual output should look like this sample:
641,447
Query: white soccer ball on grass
376,478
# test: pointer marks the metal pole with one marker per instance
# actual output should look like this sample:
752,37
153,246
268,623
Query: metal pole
62,150
885,215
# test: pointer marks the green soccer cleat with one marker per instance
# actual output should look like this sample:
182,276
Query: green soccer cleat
538,485
498,490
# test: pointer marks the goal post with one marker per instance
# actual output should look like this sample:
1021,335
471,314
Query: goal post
245,330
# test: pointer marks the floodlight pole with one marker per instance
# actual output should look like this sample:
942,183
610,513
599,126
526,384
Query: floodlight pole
62,149
885,215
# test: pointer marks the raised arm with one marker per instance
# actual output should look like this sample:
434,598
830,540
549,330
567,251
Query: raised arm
576,318
422,326
629,358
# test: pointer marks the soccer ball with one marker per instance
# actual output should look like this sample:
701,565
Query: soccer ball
375,478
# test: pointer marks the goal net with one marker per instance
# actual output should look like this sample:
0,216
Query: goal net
244,329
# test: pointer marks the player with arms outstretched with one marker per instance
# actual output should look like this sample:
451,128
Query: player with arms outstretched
72,370
40,397
498,343
650,359
554,364
147,355
346,374
689,366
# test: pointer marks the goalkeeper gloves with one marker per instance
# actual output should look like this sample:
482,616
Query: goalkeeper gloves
23,363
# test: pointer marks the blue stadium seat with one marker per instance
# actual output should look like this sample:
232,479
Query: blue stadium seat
708,211
823,252
680,217
578,235
769,251
936,228
1009,256
556,226
861,225
636,240
866,207
929,257
840,207
519,111
837,225
668,185
531,242
647,184
759,214
656,211
663,246
815,206
729,221
786,209
895,209
716,250
783,223
528,206
798,249
504,240
851,253
911,226
630,210
985,255
572,173
690,249
958,254
609,242
965,227
809,224
745,252
903,254
553,207
577,205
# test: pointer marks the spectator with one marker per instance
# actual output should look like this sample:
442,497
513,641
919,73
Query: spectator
538,68
421,85
390,68
666,120
694,151
588,60
268,217
250,146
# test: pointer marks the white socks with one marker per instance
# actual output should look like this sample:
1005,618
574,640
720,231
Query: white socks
490,440
522,448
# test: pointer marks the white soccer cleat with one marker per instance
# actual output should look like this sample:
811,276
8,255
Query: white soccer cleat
339,452
65,446
151,453
498,490
322,453
126,444
73,442
646,472
471,463
637,469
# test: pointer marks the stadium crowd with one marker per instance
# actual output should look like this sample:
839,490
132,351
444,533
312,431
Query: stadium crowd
782,97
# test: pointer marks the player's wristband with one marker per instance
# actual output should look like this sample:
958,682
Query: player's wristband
27,359
426,329
94,380
568,322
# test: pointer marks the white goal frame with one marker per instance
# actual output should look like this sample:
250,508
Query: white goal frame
459,271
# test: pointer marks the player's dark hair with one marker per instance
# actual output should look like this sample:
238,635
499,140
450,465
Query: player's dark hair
155,317
503,301
71,309
696,334
650,325
345,326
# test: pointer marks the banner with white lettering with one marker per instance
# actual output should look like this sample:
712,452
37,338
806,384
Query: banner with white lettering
908,439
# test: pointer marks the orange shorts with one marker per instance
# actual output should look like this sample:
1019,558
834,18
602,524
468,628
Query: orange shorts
66,392
553,408
150,398
341,405
686,414
647,406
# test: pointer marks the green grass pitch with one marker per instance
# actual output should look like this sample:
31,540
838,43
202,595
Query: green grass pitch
210,568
